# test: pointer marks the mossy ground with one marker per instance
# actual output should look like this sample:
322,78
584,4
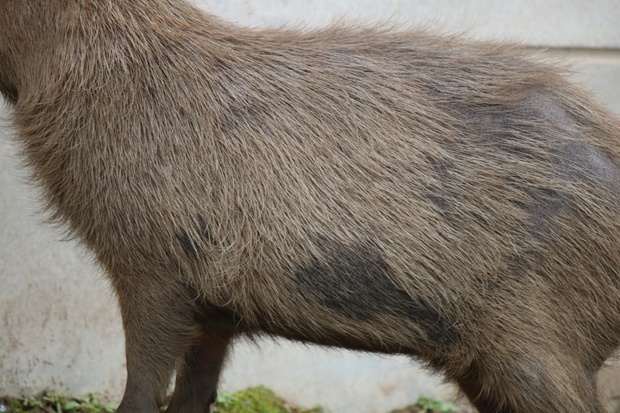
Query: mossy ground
254,400
257,400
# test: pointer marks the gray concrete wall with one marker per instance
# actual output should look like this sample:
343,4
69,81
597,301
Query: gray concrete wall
59,326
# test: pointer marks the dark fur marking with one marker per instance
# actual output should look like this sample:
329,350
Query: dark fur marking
356,284
187,244
213,317
239,117
191,246
9,92
544,205
441,203
547,207
506,128
591,166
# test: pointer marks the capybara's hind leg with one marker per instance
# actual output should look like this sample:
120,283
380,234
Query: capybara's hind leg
528,385
197,378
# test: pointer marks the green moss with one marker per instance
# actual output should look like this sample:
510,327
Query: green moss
435,405
257,400
56,402
254,400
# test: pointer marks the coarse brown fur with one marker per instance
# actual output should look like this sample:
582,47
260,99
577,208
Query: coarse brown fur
382,190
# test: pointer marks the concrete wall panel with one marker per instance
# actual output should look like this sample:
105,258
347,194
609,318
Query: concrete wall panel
557,23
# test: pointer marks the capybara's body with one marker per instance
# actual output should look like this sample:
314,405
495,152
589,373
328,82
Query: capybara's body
386,191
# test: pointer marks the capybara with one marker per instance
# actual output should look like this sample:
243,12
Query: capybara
377,189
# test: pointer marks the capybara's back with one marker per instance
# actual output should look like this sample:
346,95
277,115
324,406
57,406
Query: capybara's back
379,190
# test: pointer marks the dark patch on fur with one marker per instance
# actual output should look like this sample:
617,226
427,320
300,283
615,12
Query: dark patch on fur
356,284
591,165
441,203
238,117
191,246
9,92
546,208
213,317
544,205
187,244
